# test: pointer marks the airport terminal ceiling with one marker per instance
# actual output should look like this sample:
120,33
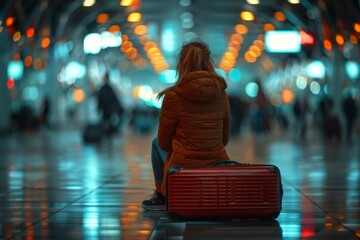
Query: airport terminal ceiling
232,29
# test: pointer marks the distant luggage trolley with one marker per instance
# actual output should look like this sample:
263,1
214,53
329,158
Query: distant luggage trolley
224,190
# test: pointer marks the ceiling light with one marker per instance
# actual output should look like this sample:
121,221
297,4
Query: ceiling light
125,3
247,16
140,29
134,17
254,2
280,16
294,1
88,3
114,28
241,29
102,18
268,27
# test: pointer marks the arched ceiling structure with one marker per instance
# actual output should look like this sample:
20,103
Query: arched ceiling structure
211,20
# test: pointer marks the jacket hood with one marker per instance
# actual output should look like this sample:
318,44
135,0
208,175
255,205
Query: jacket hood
201,86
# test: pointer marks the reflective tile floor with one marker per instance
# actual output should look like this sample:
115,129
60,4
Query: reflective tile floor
53,186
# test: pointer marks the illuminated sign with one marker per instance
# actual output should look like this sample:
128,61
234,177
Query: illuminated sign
306,38
282,41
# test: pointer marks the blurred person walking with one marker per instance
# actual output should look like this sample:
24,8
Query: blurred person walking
45,112
350,111
330,121
300,110
194,123
238,111
261,119
109,106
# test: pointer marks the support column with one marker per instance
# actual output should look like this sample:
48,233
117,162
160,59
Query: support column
336,83
5,100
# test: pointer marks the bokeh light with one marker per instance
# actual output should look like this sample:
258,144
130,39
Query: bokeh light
315,87
252,89
78,95
287,96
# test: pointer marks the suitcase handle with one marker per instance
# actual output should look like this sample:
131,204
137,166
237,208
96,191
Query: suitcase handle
226,163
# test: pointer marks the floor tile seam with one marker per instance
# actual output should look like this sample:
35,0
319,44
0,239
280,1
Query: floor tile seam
321,208
61,209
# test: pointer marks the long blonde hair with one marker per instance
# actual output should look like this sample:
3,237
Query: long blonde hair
194,56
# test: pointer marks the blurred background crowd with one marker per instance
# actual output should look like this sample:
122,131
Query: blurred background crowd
290,65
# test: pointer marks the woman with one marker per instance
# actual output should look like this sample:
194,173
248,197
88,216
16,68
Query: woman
194,124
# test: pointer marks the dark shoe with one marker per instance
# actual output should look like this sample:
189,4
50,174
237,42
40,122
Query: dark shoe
155,203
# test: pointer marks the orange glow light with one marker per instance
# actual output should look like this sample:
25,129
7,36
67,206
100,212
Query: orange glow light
241,29
231,53
126,45
287,96
268,27
124,37
149,45
131,53
134,17
358,232
30,32
256,50
259,43
140,29
136,91
279,16
233,50
9,21
16,36
114,28
329,225
339,39
78,95
247,16
234,45
126,3
143,232
45,43
327,45
225,65
357,27
250,57
237,38
153,50
102,18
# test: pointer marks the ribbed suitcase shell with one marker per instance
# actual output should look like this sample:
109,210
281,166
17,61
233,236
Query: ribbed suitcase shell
217,192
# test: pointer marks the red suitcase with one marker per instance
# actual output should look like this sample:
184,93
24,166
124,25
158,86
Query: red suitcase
228,190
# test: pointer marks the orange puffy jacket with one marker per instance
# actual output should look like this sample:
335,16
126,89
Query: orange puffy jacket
194,122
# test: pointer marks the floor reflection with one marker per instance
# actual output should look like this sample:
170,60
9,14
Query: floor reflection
241,229
53,186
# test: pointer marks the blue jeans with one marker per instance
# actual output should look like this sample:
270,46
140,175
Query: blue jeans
158,157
